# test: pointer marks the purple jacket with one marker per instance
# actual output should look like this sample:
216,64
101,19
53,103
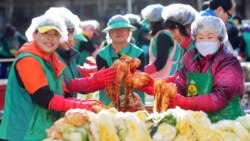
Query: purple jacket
228,76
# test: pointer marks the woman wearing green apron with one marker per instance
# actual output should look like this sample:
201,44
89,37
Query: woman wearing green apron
164,51
211,79
35,93
177,20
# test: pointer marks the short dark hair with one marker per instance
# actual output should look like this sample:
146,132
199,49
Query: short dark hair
238,17
205,5
170,24
225,4
9,30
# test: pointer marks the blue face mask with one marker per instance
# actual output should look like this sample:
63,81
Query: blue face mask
207,47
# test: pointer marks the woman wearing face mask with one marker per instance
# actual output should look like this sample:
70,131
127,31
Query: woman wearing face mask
211,79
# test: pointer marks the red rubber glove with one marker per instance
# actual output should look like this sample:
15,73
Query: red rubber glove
172,77
149,69
61,104
94,83
149,89
85,72
202,102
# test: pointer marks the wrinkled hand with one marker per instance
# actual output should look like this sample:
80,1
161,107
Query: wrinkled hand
149,89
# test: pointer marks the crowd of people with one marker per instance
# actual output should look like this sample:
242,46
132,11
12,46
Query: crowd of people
197,51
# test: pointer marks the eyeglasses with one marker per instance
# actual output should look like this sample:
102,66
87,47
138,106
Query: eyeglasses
229,15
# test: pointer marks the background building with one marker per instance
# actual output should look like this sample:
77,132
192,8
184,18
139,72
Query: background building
20,12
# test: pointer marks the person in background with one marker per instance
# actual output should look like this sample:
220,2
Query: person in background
244,37
141,36
10,41
223,9
211,79
237,19
164,51
90,30
119,31
34,101
245,44
233,35
178,19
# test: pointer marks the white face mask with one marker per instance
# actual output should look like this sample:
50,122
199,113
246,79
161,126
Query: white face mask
207,47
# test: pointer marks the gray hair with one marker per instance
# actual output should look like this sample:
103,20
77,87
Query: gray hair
209,24
133,18
181,13
152,12
92,23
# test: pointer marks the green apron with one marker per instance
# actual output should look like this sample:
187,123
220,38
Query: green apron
33,120
184,55
201,84
83,54
110,57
